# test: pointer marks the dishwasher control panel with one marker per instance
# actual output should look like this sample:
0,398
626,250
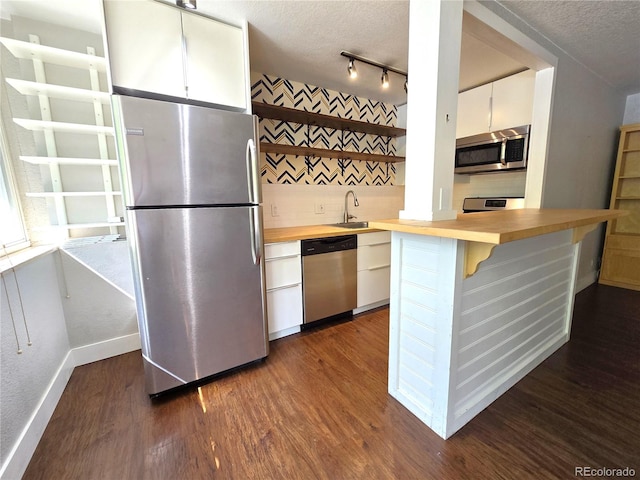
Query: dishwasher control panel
317,246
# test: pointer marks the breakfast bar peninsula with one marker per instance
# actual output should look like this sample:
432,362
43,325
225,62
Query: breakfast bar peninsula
476,303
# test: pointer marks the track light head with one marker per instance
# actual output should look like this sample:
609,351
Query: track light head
385,78
351,68
353,73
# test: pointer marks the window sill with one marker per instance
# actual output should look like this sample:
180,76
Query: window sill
14,260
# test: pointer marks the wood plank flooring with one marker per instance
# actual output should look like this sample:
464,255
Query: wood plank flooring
318,408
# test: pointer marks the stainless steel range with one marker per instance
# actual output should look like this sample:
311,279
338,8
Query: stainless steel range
487,204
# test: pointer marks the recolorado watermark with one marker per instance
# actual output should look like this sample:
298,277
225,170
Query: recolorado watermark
604,472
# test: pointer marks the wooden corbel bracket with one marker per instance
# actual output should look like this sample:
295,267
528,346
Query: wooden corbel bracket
475,254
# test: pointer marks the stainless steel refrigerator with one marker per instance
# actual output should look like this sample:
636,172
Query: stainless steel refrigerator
192,193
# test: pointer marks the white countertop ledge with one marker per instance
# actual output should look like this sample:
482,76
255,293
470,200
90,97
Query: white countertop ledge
19,258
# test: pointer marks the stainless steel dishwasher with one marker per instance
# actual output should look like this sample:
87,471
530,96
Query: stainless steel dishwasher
329,276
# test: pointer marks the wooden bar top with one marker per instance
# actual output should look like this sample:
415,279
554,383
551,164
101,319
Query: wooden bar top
501,226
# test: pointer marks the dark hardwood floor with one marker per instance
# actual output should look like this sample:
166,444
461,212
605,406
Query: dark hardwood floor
318,408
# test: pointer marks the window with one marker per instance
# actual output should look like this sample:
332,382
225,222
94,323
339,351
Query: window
13,235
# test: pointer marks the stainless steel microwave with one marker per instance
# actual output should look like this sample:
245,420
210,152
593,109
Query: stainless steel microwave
493,152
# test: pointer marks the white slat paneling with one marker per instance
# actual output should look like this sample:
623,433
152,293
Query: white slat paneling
513,311
423,273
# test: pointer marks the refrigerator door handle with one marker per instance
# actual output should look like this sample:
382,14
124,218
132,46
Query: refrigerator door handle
252,171
256,235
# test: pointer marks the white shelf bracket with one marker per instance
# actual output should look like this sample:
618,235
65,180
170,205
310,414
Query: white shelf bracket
50,139
102,144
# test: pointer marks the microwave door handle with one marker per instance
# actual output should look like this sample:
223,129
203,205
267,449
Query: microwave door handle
503,153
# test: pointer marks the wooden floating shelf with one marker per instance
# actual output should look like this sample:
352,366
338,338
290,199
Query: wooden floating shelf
35,51
58,91
43,125
67,161
264,110
326,153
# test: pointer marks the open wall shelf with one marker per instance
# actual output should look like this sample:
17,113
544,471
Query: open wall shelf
286,114
326,153
275,112
621,257
67,58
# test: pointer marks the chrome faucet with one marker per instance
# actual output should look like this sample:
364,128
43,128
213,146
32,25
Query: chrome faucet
348,217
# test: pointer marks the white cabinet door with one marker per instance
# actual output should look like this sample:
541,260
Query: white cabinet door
374,259
145,46
284,308
505,103
283,271
373,286
474,111
215,61
513,100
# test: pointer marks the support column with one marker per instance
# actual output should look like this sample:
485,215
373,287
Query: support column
435,30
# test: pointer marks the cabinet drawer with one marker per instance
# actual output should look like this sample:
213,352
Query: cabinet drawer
284,308
373,286
374,256
281,249
373,238
282,272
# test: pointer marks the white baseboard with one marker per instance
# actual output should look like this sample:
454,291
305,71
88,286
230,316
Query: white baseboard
108,348
371,306
284,333
20,456
586,279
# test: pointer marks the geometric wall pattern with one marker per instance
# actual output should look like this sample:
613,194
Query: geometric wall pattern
290,169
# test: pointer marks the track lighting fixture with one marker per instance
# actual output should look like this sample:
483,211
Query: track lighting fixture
353,73
351,69
190,4
385,78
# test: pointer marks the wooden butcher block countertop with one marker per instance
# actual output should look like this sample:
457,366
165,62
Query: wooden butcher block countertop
502,226
288,234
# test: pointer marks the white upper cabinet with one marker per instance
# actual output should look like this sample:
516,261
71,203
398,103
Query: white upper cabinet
143,57
474,111
215,61
158,48
502,104
512,100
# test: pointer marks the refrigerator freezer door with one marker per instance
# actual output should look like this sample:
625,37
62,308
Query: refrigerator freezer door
200,279
175,154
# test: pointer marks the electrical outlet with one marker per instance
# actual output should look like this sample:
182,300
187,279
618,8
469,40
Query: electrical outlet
319,208
274,210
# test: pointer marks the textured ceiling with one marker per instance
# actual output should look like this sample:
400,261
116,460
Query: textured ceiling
602,35
301,39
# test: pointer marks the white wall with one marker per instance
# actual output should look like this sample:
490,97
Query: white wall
296,204
95,311
582,145
26,378
632,110
582,151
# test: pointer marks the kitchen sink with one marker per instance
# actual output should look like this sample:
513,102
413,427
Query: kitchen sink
351,225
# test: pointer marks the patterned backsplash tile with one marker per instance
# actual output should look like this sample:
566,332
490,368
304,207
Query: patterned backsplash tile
311,170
